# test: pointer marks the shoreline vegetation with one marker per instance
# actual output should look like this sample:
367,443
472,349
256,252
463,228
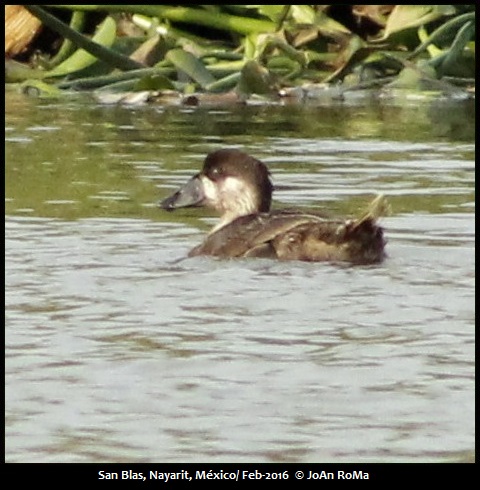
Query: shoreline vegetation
233,53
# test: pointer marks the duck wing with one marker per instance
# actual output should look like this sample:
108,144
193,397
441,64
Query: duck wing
296,235
256,235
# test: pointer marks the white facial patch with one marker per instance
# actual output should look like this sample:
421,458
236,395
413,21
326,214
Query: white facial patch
211,192
230,196
234,186
238,198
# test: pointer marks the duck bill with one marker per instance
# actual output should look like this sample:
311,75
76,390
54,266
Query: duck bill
191,194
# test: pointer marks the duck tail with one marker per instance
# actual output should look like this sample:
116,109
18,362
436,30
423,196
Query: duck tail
365,235
376,209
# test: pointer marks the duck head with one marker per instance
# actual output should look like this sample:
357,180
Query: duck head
231,182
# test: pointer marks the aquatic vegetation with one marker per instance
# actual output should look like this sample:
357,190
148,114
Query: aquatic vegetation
210,52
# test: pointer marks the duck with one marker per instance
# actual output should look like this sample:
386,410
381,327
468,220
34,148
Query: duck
238,187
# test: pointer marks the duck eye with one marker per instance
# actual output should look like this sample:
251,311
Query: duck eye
215,173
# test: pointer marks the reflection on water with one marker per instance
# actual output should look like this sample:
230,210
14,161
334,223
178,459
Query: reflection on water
120,349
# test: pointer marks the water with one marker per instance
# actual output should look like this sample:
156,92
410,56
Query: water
118,349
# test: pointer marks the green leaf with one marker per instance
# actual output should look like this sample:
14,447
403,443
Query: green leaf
80,59
38,88
154,82
18,72
443,34
273,12
330,27
255,79
250,46
408,16
191,65
303,14
455,62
